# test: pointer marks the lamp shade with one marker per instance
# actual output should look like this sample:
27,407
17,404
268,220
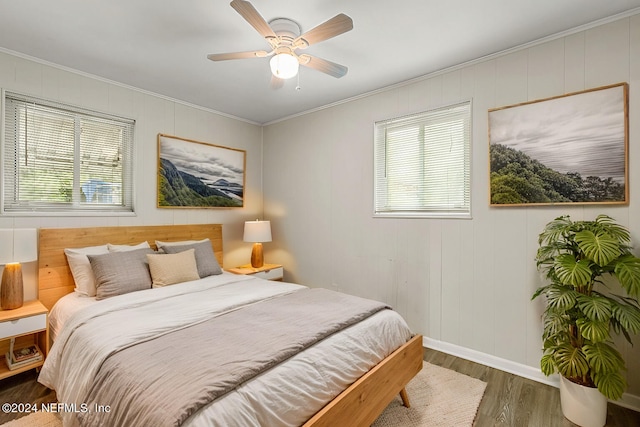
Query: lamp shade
257,231
18,245
284,66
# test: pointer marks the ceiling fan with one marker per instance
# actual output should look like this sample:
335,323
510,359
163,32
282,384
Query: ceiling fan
283,35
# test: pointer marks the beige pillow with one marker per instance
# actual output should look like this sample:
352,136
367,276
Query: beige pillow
169,269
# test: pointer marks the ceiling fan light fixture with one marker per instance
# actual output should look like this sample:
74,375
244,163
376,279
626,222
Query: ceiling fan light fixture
284,65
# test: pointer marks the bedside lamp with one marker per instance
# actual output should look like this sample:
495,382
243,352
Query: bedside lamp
16,246
257,232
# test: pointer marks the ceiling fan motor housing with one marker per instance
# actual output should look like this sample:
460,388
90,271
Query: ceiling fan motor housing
286,29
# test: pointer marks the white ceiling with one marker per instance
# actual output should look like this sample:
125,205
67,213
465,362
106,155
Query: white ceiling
161,45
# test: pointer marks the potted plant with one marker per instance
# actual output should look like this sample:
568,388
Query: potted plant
583,311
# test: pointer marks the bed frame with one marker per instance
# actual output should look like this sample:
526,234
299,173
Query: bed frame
358,405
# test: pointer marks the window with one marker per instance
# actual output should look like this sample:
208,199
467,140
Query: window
58,158
423,164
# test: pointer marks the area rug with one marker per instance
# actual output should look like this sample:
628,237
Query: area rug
439,397
36,419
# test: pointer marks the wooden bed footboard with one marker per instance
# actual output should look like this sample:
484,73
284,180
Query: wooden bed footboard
361,403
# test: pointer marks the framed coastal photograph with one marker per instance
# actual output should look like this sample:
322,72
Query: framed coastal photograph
562,150
194,174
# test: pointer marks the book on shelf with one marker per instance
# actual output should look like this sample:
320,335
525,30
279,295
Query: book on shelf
17,358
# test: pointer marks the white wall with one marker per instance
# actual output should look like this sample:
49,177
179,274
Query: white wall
464,283
153,115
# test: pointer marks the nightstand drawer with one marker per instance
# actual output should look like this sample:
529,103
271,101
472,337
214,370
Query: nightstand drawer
24,325
273,274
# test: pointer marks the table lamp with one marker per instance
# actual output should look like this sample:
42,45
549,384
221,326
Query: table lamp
16,246
257,232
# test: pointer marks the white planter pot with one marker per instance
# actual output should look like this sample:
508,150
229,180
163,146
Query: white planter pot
584,406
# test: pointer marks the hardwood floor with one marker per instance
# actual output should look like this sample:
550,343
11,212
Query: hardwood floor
509,400
23,388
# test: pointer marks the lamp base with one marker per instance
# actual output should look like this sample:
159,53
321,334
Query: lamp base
11,289
257,259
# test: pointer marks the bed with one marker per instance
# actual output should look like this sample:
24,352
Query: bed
353,390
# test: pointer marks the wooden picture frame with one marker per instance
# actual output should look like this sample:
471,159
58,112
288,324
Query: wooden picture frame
194,174
569,149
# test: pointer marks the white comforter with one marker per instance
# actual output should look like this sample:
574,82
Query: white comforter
288,394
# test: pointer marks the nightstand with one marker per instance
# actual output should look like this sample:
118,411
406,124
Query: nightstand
267,271
28,325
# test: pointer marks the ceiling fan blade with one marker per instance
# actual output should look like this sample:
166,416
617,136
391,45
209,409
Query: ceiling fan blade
251,15
237,55
333,27
327,67
276,83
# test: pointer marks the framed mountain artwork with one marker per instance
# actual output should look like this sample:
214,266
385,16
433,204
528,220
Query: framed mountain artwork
194,174
570,149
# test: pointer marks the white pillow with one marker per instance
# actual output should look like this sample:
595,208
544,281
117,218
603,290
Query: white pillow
169,269
125,248
160,244
81,268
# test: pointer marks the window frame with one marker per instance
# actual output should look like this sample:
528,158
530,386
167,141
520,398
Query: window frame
73,208
380,164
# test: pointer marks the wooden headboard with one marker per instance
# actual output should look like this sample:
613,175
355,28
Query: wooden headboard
54,277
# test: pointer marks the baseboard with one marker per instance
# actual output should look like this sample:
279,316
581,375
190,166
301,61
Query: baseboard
629,401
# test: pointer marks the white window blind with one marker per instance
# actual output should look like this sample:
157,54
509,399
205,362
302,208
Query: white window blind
423,164
60,158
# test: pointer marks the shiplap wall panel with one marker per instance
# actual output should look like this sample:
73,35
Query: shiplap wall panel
545,70
452,87
509,258
464,282
7,70
511,78
50,82
27,77
95,94
574,63
434,327
607,54
451,281
69,87
532,280
467,302
418,283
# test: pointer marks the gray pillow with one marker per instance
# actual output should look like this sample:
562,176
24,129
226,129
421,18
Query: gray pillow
118,273
205,258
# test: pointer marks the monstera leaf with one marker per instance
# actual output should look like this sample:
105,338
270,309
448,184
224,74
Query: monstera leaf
599,247
603,357
611,384
627,270
562,297
595,307
572,272
628,316
593,330
570,361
